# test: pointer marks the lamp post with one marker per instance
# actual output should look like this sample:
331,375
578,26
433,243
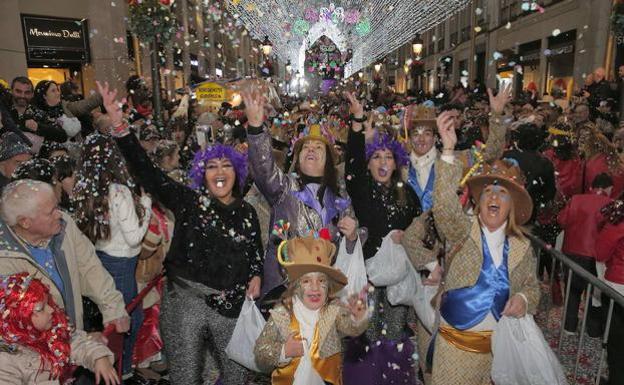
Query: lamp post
417,46
267,46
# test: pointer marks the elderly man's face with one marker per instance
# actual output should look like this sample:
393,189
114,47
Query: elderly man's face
46,221
599,74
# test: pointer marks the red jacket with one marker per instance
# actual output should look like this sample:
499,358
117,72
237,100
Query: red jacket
568,174
597,165
610,249
580,219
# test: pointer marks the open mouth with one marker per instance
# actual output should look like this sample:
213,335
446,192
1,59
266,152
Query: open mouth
220,182
493,209
383,172
310,157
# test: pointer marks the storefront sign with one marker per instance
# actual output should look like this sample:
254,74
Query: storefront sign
57,39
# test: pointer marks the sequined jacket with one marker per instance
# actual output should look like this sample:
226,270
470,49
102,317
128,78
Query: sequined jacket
334,323
460,228
21,365
281,192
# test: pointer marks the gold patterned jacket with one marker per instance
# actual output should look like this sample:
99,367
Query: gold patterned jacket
334,322
460,228
415,233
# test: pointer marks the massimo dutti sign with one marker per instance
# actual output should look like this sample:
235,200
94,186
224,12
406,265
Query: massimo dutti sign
55,39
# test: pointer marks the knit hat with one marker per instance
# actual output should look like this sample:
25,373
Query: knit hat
313,253
11,145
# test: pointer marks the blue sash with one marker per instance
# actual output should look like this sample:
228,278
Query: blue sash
466,307
425,197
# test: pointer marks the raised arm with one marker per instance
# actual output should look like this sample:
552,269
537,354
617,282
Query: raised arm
449,216
270,179
167,191
495,144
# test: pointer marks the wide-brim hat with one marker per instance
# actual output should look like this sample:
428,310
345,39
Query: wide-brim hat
422,116
310,254
507,174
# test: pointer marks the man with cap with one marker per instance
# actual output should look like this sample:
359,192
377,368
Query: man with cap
13,152
490,272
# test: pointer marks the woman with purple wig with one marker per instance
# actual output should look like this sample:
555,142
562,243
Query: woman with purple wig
215,259
382,203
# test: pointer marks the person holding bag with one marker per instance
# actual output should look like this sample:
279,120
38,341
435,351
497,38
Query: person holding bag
492,273
215,259
384,205
300,344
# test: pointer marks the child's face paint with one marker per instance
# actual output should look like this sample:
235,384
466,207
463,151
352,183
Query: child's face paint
313,289
494,206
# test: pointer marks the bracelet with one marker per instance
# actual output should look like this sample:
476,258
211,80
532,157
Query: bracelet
448,149
120,129
358,120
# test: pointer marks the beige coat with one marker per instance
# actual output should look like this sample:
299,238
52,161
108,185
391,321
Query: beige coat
460,228
22,366
334,323
82,268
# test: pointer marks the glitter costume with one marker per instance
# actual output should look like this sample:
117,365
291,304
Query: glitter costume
215,251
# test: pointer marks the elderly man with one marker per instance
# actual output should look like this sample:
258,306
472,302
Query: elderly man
600,90
13,152
38,238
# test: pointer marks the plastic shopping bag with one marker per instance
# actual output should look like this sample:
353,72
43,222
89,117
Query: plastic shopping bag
390,265
521,355
352,266
422,303
404,291
248,327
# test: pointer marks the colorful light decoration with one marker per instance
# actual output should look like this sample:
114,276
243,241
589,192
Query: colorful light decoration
371,28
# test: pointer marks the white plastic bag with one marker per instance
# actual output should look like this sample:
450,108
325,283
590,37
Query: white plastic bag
422,303
71,126
248,327
389,265
522,355
351,265
412,292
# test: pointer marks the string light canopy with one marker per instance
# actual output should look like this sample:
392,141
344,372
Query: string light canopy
370,28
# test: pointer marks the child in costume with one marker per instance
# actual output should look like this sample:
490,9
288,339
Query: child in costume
37,344
301,342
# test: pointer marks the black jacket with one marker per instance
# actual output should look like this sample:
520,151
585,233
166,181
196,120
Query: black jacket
213,244
540,176
376,206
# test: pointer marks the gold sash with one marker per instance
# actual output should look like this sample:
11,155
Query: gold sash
475,342
330,368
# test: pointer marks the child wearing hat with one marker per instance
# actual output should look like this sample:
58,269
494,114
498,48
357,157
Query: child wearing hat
37,344
301,342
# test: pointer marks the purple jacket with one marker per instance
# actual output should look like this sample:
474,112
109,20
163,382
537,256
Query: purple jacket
290,201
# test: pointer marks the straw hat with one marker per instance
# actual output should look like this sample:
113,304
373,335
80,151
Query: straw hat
507,174
422,116
303,255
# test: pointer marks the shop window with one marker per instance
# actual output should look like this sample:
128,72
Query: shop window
59,75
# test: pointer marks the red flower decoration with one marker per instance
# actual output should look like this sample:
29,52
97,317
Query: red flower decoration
324,233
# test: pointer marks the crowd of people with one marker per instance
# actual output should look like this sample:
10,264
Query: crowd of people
101,200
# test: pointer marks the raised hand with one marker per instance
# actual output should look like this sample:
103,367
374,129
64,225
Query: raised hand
355,107
293,347
446,130
254,106
498,102
111,104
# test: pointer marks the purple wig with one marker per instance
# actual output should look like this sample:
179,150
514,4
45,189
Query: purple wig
218,151
386,142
